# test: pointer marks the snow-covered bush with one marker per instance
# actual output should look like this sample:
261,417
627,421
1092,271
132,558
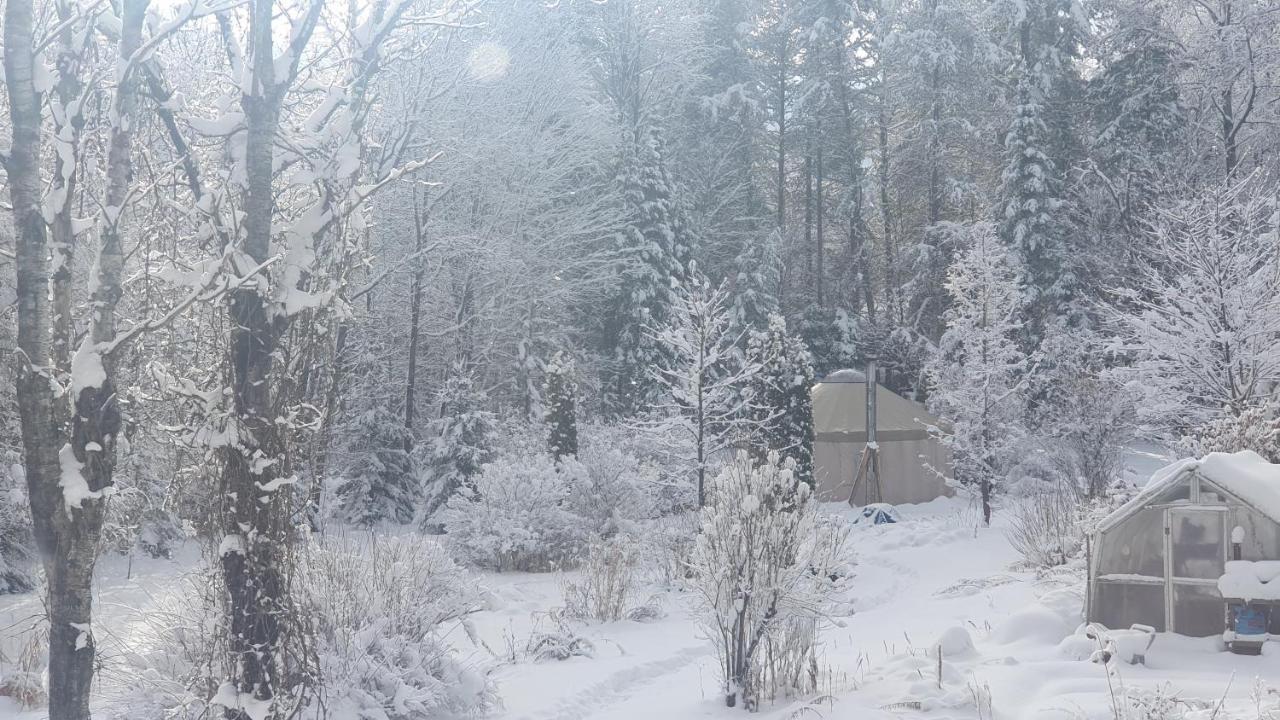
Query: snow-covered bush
557,642
1256,428
768,570
22,677
380,609
605,588
1046,527
514,515
1082,416
169,662
615,490
659,457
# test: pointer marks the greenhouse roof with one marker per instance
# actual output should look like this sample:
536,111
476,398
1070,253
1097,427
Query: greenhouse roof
1244,474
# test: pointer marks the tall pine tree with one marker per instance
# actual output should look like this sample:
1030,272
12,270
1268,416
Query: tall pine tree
654,249
1039,149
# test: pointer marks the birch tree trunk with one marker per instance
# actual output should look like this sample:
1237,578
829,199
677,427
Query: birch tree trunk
69,448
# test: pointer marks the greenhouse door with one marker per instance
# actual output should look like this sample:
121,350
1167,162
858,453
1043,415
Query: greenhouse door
1195,556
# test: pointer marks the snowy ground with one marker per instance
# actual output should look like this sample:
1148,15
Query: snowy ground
915,581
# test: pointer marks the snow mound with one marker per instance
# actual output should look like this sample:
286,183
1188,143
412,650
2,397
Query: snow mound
953,642
1034,624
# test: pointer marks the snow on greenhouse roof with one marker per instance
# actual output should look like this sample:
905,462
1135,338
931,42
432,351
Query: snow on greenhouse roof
1244,474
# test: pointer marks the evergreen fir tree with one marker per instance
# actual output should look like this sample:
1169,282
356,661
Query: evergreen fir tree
1039,147
655,247
831,337
381,481
781,402
462,439
755,284
1138,120
560,392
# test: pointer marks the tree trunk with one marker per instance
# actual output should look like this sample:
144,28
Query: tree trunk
253,513
66,521
819,248
415,313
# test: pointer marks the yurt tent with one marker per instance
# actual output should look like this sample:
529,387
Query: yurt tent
1158,560
910,459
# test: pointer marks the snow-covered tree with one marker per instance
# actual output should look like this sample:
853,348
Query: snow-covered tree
975,375
767,569
780,393
654,249
1034,214
831,336
1201,321
460,441
755,283
380,481
703,378
16,558
560,393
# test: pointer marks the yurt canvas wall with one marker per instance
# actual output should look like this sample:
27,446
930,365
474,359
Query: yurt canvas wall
909,456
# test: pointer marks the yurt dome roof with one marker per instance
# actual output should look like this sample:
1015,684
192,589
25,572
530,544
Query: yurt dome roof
848,375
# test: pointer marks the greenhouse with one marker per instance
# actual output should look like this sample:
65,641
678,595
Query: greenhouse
1158,559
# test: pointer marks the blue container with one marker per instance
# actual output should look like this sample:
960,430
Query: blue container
1249,619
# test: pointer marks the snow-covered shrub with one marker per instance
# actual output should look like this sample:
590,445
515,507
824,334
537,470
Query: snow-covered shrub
615,491
768,570
22,678
1084,417
659,456
381,608
605,589
381,480
168,664
16,544
514,515
1046,527
1256,428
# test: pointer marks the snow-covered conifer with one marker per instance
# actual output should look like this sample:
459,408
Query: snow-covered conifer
381,483
781,402
560,394
461,440
654,248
